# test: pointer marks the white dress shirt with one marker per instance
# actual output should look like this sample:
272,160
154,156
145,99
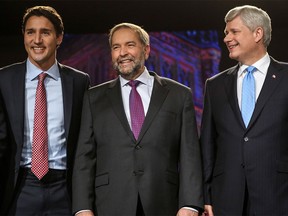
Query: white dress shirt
144,89
55,116
262,67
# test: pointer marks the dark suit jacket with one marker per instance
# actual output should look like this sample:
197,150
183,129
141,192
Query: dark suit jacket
257,157
12,102
163,167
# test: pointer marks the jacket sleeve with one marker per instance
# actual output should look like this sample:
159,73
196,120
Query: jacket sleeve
191,186
85,163
207,145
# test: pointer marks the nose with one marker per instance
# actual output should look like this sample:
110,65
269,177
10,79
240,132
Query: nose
38,38
123,51
227,38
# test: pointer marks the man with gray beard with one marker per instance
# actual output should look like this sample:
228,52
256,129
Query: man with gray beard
138,150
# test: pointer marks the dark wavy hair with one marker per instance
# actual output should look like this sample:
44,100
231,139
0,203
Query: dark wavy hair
48,12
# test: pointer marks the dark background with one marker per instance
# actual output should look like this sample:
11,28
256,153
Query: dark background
98,16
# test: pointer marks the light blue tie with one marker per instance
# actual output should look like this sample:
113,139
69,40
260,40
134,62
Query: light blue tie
248,95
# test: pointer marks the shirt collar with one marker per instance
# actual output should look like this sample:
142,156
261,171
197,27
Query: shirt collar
144,78
261,65
33,71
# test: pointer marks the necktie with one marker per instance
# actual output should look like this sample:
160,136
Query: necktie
136,109
248,95
39,164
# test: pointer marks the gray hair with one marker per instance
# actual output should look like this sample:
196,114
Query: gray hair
143,35
253,18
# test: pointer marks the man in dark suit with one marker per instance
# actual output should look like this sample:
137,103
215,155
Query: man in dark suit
118,172
23,190
245,160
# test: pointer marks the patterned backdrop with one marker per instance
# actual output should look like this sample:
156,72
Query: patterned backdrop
189,57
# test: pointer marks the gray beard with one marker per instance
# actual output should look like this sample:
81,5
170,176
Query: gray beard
130,74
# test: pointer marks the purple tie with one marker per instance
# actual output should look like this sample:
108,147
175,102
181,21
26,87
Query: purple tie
136,108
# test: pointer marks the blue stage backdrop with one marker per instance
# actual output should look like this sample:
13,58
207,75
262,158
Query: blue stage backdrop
189,57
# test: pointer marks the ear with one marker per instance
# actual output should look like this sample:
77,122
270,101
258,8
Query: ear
59,39
258,34
147,51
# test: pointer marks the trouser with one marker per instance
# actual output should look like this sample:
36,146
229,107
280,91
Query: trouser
45,197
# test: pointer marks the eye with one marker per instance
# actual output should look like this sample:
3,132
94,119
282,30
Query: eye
115,47
29,32
131,45
234,32
46,33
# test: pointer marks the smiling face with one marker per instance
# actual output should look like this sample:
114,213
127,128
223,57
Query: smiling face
244,45
41,41
128,53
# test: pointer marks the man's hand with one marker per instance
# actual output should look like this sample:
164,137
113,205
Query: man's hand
186,212
208,211
84,213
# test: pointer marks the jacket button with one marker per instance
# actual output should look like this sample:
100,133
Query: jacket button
138,173
138,147
246,139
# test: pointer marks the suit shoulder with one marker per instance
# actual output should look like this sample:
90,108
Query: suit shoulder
13,66
102,86
170,82
72,70
223,74
279,64
176,84
10,71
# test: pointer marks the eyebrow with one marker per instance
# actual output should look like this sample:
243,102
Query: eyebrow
42,29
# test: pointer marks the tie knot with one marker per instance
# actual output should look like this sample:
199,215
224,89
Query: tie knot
42,76
134,83
250,69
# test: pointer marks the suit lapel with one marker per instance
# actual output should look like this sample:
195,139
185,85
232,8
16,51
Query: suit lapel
159,93
272,79
18,86
67,89
231,91
115,97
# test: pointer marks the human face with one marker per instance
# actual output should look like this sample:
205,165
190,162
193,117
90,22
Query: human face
41,41
128,53
242,43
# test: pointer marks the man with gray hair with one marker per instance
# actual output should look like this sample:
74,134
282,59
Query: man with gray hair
143,164
244,131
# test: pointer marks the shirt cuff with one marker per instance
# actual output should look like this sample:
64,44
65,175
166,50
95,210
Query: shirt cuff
192,209
82,211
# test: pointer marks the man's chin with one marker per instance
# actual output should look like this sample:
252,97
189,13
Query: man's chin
233,56
124,71
127,76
